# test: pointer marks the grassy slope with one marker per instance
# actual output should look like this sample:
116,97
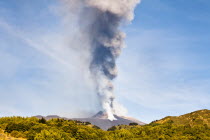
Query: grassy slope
200,117
192,126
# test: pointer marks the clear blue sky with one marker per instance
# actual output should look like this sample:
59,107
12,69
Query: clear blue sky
164,70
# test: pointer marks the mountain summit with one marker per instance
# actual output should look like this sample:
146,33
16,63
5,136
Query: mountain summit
101,115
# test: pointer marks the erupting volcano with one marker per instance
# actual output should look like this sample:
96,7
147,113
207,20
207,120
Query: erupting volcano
100,20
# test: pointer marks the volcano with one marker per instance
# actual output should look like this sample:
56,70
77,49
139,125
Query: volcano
101,120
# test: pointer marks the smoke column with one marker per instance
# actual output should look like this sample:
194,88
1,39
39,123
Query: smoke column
100,21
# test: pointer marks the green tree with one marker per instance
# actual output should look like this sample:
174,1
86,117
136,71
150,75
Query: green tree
53,134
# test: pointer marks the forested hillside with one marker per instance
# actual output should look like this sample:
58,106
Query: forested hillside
192,119
192,126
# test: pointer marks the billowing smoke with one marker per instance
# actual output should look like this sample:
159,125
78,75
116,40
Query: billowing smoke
100,21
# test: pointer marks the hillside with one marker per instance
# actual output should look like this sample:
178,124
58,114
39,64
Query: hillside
201,117
192,126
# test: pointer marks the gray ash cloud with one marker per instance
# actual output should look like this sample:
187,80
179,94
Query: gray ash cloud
100,20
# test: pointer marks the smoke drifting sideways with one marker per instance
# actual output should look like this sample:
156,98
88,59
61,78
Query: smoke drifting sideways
100,21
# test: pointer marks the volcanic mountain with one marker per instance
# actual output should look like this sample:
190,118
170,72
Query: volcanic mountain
101,120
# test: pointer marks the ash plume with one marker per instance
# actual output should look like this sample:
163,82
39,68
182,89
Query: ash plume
100,21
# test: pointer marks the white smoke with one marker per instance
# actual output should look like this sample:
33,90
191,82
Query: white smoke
123,8
100,21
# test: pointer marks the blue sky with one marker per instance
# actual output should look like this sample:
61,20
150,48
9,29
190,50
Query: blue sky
164,70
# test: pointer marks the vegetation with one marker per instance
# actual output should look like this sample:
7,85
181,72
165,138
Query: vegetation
192,126
4,136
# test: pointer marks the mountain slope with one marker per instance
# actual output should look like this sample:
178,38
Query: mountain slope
192,126
200,117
